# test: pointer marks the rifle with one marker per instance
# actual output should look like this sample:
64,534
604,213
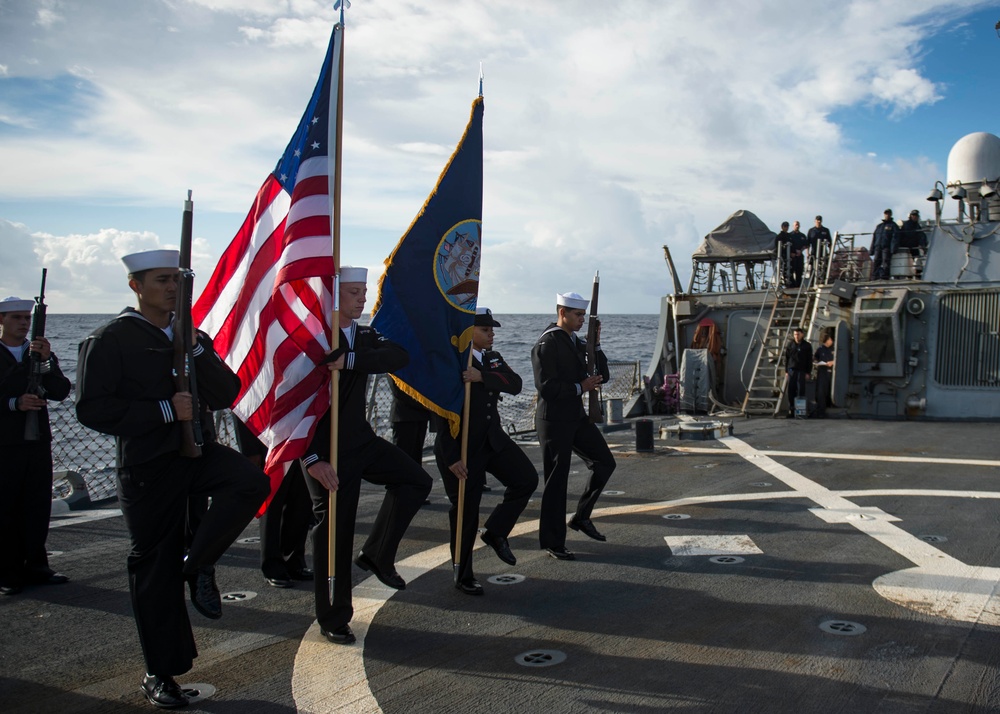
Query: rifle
593,325
31,430
184,375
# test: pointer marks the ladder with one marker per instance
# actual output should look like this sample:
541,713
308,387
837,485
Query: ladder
766,390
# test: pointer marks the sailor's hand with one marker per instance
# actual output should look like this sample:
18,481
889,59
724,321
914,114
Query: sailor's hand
458,468
183,406
472,375
40,346
30,403
324,472
591,382
337,363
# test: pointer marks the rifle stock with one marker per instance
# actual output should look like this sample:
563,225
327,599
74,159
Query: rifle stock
594,410
31,424
184,374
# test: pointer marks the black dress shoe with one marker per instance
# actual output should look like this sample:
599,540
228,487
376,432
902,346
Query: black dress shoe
389,578
469,586
500,546
163,692
46,578
205,593
303,574
586,526
339,635
279,582
561,554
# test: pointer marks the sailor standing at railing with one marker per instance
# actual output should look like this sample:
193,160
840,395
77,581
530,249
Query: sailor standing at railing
26,477
126,389
559,360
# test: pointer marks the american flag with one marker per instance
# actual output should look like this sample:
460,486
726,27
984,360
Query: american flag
268,305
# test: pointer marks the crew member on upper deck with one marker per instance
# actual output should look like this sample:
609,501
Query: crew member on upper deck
884,238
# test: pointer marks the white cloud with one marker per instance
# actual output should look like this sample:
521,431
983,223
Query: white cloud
608,132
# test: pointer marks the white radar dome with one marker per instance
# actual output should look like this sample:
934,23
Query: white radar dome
973,158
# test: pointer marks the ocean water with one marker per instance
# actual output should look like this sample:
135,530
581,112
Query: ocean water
624,338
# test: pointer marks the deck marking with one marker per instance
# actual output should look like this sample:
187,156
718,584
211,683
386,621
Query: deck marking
712,545
75,518
939,585
973,599
851,457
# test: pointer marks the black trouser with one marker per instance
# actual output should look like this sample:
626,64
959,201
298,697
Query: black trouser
154,500
559,441
25,507
795,270
511,467
796,387
822,390
409,437
284,527
882,259
406,486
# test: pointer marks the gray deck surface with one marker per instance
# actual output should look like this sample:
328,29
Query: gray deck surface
643,627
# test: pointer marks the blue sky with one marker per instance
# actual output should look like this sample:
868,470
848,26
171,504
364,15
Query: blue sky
608,134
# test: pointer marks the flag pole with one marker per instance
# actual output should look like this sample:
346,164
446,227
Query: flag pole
460,519
338,130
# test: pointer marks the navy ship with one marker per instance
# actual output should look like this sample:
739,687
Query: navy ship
922,342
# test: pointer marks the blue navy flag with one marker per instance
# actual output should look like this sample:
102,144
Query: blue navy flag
427,296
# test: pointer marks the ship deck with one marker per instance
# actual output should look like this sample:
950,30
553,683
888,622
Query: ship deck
823,566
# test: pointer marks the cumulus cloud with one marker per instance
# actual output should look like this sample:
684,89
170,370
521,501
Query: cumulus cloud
608,133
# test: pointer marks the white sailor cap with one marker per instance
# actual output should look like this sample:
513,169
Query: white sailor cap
484,318
150,259
350,274
574,301
16,304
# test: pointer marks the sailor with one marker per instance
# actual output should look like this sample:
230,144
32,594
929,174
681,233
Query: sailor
559,361
126,389
783,251
913,238
361,455
798,365
489,449
284,526
823,359
818,234
26,477
884,239
799,242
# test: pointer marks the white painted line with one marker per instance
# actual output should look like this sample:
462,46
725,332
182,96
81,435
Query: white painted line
852,457
75,518
712,545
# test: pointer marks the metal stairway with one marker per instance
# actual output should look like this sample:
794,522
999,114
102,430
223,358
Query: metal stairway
764,395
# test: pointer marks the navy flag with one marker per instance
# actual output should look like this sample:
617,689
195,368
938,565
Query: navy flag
427,296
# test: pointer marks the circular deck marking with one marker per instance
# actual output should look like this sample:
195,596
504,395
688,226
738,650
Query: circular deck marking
675,516
613,493
238,596
505,579
540,658
843,627
251,539
933,538
726,559
198,691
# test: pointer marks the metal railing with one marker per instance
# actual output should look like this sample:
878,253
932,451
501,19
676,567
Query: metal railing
75,448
